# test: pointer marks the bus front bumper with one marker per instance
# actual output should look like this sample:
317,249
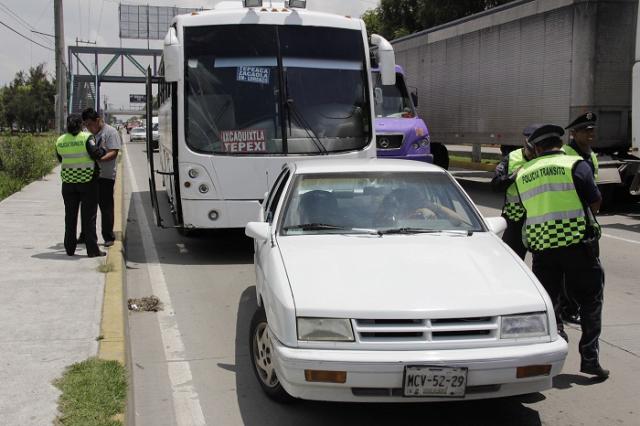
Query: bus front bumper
213,214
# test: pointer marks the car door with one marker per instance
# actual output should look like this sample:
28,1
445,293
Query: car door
263,249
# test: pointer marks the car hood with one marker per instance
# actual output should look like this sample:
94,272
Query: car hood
407,276
399,125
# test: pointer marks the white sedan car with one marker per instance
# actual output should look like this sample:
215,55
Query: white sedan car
378,280
138,134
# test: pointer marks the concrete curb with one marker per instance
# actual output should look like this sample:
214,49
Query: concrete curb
112,344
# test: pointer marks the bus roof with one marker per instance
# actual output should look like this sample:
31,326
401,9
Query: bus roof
229,13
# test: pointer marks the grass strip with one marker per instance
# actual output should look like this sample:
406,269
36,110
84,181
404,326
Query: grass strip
23,159
463,159
94,392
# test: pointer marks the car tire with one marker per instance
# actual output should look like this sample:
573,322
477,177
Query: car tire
440,155
260,350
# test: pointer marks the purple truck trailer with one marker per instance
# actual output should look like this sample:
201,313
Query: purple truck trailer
400,133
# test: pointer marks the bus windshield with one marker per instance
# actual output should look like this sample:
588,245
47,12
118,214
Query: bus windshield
395,99
275,90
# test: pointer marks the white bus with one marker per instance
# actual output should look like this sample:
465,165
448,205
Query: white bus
247,89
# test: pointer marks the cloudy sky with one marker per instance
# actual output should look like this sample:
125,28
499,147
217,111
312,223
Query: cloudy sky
96,20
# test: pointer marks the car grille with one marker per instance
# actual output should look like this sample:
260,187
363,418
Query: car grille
425,330
385,142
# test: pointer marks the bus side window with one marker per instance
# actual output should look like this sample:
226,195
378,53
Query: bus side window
275,195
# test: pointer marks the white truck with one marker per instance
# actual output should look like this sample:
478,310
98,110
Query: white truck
485,77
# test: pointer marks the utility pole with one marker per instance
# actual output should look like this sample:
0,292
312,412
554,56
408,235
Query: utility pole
61,74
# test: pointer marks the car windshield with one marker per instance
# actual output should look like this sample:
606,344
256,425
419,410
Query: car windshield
246,85
377,202
395,99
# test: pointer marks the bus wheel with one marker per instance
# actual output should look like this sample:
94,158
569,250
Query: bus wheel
440,155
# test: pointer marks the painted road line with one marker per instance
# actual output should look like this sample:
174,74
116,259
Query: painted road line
186,402
621,239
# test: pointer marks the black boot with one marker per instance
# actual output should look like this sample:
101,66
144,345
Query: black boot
594,369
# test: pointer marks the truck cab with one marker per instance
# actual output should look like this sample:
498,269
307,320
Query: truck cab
400,133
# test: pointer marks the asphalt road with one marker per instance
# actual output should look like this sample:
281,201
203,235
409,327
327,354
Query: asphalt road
190,362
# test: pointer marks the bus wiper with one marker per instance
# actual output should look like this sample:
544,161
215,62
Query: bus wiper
321,226
299,118
409,230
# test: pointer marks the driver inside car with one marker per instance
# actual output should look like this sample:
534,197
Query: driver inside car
410,204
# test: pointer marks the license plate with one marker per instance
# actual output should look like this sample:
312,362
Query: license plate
435,381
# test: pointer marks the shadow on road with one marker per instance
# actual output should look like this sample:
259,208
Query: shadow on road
202,247
566,381
257,410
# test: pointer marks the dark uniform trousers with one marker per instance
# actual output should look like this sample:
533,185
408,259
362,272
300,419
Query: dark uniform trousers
580,265
512,237
105,201
83,197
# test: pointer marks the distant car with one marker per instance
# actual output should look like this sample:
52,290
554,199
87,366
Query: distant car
138,134
155,131
379,281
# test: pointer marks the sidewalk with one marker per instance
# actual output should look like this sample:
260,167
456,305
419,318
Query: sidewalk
50,303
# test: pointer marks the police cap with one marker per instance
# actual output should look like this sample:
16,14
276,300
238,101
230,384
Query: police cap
530,129
544,132
585,121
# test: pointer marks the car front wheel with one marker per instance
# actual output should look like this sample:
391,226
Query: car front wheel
262,358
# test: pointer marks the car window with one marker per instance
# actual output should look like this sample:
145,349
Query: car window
275,195
377,201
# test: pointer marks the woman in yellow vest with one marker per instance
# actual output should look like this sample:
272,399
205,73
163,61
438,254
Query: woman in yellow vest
77,151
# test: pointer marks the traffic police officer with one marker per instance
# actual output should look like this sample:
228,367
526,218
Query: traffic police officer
581,138
559,196
78,152
503,180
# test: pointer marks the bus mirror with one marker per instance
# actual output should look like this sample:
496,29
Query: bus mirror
414,97
171,56
386,59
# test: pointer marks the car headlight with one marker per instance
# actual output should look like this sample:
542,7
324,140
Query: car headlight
524,325
325,329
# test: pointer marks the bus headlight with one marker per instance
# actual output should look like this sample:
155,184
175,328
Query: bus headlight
203,188
214,215
193,173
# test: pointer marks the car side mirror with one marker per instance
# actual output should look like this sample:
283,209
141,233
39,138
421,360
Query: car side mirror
259,231
496,224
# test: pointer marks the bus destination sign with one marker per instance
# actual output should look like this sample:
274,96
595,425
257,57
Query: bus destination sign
247,140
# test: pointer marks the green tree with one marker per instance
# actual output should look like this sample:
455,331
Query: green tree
397,18
28,101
